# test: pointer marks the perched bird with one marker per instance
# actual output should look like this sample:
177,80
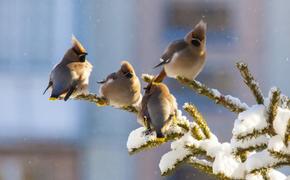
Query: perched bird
122,88
185,57
71,75
158,107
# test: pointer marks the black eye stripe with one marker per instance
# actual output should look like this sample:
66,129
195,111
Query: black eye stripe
195,42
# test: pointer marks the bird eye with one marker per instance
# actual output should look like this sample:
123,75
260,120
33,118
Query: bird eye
128,74
195,42
82,57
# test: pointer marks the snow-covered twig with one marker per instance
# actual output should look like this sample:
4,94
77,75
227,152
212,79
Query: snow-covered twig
259,142
229,102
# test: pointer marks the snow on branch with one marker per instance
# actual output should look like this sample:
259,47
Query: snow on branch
259,143
229,102
260,136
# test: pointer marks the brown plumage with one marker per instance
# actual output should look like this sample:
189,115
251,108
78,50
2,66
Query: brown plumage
185,57
158,107
71,75
122,88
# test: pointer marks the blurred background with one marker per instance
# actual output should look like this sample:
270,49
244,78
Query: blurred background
44,140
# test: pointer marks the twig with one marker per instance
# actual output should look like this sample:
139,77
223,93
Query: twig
250,82
287,134
255,133
201,165
192,110
218,98
154,143
274,99
101,101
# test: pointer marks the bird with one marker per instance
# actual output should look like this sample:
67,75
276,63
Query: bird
184,57
158,107
122,88
70,77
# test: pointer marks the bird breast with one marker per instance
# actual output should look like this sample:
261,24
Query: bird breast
185,64
121,92
80,71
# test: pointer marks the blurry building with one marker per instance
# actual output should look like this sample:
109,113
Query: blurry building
40,139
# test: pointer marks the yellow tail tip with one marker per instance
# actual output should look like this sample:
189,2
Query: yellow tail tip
52,98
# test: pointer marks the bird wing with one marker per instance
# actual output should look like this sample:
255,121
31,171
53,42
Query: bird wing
71,90
170,50
111,76
61,80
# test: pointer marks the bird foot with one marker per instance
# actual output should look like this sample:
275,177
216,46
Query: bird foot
147,132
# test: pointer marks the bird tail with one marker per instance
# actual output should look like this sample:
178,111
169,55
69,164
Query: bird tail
48,86
53,97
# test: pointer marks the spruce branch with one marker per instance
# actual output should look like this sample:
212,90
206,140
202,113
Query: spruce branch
178,163
226,101
199,152
241,151
274,165
280,155
274,100
93,98
194,144
192,110
101,101
196,132
202,165
155,142
287,134
250,82
255,133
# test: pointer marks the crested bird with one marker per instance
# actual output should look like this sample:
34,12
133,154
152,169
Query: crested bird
158,107
184,57
122,88
70,76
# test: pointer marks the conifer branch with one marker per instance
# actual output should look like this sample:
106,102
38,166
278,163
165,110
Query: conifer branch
101,101
287,134
192,110
227,101
274,100
250,82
